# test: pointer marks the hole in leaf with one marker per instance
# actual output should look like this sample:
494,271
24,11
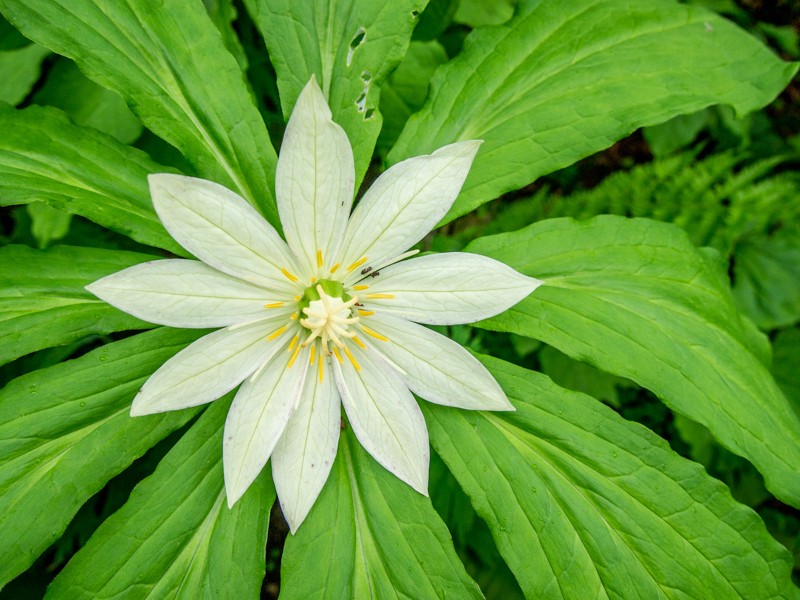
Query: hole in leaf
369,114
357,40
414,14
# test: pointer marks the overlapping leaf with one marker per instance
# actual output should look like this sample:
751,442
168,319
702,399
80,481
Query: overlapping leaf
175,537
370,535
65,431
767,278
583,504
80,171
563,80
87,103
350,45
43,302
636,299
168,61
19,70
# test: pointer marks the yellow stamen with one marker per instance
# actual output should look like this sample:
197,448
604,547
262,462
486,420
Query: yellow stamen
274,305
366,313
293,317
294,357
358,263
334,267
276,334
359,342
313,279
289,275
319,263
379,296
374,334
320,370
294,341
313,349
352,360
297,298
338,356
358,288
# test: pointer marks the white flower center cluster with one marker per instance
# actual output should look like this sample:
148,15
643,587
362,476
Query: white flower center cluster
328,319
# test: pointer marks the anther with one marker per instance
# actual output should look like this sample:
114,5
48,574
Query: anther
276,334
311,360
289,275
358,288
294,341
359,342
319,259
334,267
338,356
379,297
352,360
374,334
274,305
294,357
357,264
366,313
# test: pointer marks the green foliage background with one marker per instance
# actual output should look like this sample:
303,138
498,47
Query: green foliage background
724,174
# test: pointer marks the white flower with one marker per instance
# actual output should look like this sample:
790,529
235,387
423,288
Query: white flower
332,315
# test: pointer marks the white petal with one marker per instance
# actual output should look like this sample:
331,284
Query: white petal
208,368
435,367
220,228
257,418
451,288
385,417
302,460
182,293
315,180
406,202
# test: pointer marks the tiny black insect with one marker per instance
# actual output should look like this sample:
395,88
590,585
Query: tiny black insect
365,271
374,274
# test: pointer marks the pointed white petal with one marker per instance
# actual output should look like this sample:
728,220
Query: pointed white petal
257,418
302,460
435,367
450,288
406,202
385,417
315,180
208,368
220,228
182,293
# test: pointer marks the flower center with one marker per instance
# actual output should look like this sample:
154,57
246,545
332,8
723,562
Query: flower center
328,313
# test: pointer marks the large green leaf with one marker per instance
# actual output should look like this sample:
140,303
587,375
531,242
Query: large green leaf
635,298
350,45
65,431
168,61
43,302
370,535
19,71
583,504
78,170
562,80
176,537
